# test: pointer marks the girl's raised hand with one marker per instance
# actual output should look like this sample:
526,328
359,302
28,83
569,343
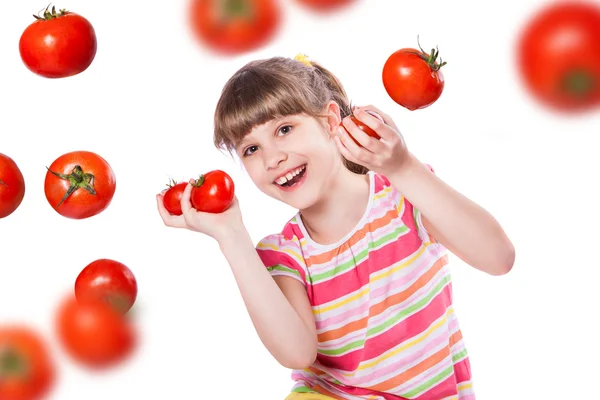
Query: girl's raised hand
216,225
384,156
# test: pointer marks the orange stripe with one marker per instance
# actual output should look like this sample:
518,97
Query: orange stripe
414,371
455,338
380,307
320,389
358,236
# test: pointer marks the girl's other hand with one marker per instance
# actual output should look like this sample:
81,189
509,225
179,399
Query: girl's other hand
386,155
215,225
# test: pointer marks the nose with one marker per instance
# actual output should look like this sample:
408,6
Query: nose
273,156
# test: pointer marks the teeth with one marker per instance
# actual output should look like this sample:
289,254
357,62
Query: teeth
283,179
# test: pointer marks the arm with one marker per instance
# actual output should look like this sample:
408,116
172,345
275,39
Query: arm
458,223
279,307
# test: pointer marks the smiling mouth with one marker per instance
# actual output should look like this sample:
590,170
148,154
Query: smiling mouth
291,178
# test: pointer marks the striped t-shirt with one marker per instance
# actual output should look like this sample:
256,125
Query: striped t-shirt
382,302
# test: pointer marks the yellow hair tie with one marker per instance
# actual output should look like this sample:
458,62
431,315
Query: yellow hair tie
303,58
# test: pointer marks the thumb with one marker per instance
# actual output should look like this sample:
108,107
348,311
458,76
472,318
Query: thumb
186,203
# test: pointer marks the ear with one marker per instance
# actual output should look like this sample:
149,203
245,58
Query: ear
334,119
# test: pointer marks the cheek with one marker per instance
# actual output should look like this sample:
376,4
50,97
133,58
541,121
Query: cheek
256,171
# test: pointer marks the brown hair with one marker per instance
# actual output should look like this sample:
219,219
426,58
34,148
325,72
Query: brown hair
275,87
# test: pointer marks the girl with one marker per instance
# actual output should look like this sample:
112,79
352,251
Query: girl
354,294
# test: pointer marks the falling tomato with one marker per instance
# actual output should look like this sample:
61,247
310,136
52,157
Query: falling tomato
27,369
79,184
93,333
58,44
413,78
558,56
12,186
109,281
231,27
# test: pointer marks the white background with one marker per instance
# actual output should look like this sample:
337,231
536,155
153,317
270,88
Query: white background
146,106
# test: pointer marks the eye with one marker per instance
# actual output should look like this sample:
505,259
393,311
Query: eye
285,129
249,150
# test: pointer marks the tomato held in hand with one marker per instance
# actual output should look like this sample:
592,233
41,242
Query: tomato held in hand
231,27
79,184
325,5
12,186
27,370
58,44
558,56
108,281
412,78
93,333
365,128
213,192
172,197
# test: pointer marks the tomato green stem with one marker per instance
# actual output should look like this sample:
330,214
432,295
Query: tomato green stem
430,59
200,181
172,182
231,9
11,363
117,302
578,83
78,180
2,183
48,15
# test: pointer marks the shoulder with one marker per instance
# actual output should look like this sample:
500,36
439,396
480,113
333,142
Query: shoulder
282,247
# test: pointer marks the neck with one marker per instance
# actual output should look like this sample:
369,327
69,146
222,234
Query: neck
340,209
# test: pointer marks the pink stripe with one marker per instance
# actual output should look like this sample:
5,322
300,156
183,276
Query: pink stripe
383,317
383,291
411,327
353,280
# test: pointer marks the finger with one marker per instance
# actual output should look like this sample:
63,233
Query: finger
385,131
186,202
359,154
386,118
174,221
372,144
344,151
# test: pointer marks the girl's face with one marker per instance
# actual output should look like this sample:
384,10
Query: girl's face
293,159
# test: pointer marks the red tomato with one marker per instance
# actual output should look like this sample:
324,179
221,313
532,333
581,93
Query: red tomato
58,44
108,281
172,197
365,128
231,27
412,78
213,192
12,186
93,333
325,5
558,55
79,184
27,370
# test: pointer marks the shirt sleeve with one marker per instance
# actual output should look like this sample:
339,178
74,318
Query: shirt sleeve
283,257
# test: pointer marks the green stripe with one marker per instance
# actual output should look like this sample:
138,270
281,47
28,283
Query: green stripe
459,356
377,329
348,347
427,385
303,389
283,268
361,255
